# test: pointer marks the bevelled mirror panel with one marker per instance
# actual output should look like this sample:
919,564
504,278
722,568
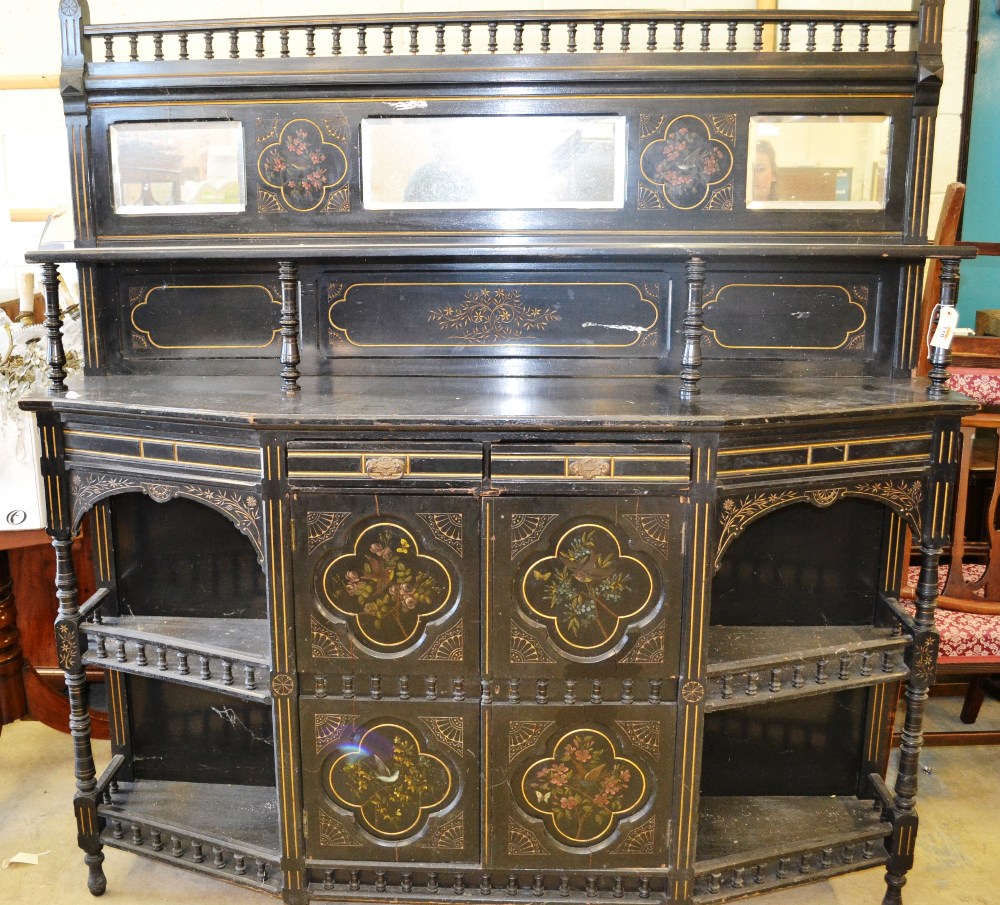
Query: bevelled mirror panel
818,162
177,168
493,162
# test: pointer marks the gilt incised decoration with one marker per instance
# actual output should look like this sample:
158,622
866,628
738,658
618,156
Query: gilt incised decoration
492,315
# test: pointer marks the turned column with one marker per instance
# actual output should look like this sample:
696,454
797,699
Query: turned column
691,357
68,645
55,354
940,355
288,276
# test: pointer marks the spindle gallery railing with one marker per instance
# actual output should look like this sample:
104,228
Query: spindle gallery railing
115,644
511,32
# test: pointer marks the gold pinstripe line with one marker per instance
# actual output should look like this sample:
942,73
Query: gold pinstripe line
85,190
922,184
48,501
917,145
704,582
106,527
283,772
294,807
275,628
691,790
684,828
486,784
907,350
875,460
92,326
944,509
826,444
121,708
75,162
951,445
934,519
284,592
487,578
459,98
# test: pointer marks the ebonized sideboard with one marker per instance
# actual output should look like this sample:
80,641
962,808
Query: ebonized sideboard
498,439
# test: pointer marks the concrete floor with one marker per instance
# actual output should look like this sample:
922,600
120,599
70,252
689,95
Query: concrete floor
957,852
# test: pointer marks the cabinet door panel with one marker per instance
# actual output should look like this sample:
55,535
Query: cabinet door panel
579,787
383,787
585,588
391,580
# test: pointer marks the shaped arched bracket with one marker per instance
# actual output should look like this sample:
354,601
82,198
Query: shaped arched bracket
242,507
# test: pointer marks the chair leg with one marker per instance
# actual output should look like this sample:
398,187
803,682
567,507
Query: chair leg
973,699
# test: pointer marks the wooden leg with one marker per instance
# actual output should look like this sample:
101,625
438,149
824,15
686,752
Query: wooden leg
12,702
973,699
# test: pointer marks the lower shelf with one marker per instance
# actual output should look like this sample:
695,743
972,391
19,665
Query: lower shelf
226,831
748,845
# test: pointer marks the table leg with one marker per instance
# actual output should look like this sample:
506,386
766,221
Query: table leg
12,701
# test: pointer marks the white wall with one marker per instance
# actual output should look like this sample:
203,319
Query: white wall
34,173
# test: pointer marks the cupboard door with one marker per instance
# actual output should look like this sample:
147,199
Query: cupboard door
579,787
391,781
388,585
585,588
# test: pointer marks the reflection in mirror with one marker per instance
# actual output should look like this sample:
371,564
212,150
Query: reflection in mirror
178,167
493,162
818,162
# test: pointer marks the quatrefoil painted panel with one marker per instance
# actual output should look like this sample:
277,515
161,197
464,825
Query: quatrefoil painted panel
686,162
587,592
386,588
389,783
302,165
584,788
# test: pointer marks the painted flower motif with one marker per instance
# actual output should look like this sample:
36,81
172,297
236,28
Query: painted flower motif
587,589
302,165
584,789
387,589
686,162
390,784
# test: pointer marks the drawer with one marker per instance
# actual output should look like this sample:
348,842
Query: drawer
584,464
375,464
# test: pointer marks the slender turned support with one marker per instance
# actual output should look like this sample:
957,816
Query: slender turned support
71,661
55,354
691,359
288,275
940,356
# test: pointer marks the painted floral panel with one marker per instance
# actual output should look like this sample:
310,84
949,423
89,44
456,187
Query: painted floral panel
588,591
584,788
386,588
686,162
389,783
302,165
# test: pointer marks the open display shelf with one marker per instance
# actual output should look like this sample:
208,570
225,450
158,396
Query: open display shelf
499,442
226,830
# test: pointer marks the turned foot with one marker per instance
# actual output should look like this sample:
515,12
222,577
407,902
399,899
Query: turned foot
893,890
97,883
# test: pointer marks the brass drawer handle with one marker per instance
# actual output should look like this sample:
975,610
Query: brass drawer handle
387,468
590,468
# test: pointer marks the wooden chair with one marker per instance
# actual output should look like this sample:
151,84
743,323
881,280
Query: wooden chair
969,604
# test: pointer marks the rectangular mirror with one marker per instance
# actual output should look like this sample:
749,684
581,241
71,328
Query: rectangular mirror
493,162
177,168
818,162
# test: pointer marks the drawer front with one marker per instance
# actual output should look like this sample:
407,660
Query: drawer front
375,465
912,449
582,466
97,446
387,584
